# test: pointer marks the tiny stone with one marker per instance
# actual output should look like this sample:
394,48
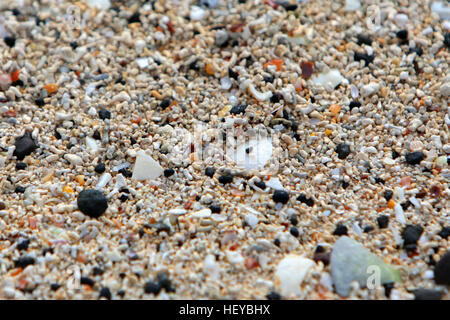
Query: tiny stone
227,178
340,230
414,158
92,203
100,168
280,196
25,145
383,221
104,114
343,150
442,270
209,171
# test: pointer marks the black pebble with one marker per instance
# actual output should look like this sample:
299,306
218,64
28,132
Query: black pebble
152,287
164,281
105,293
411,234
23,262
168,172
88,281
126,173
444,233
417,50
277,242
293,220
97,135
97,271
364,39
343,150
25,145
226,178
415,157
74,45
23,244
165,103
135,17
100,168
294,231
402,34
21,165
19,189
276,98
442,270
388,288
427,294
290,7
215,208
345,184
121,293
209,171
447,40
123,198
55,286
368,228
280,196
395,154
383,221
269,79
104,114
303,199
358,56
39,102
354,104
273,296
16,12
10,41
261,185
232,74
92,203
340,230
238,109
388,194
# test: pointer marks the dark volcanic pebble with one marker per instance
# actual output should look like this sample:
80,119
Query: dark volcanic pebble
104,114
383,221
210,172
100,168
25,145
340,230
343,150
152,287
24,262
414,157
444,233
411,234
238,109
442,270
280,196
226,178
92,203
105,293
427,294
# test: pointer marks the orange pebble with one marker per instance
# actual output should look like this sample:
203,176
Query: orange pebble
335,109
275,62
15,75
209,69
391,204
51,88
67,189
328,132
80,179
